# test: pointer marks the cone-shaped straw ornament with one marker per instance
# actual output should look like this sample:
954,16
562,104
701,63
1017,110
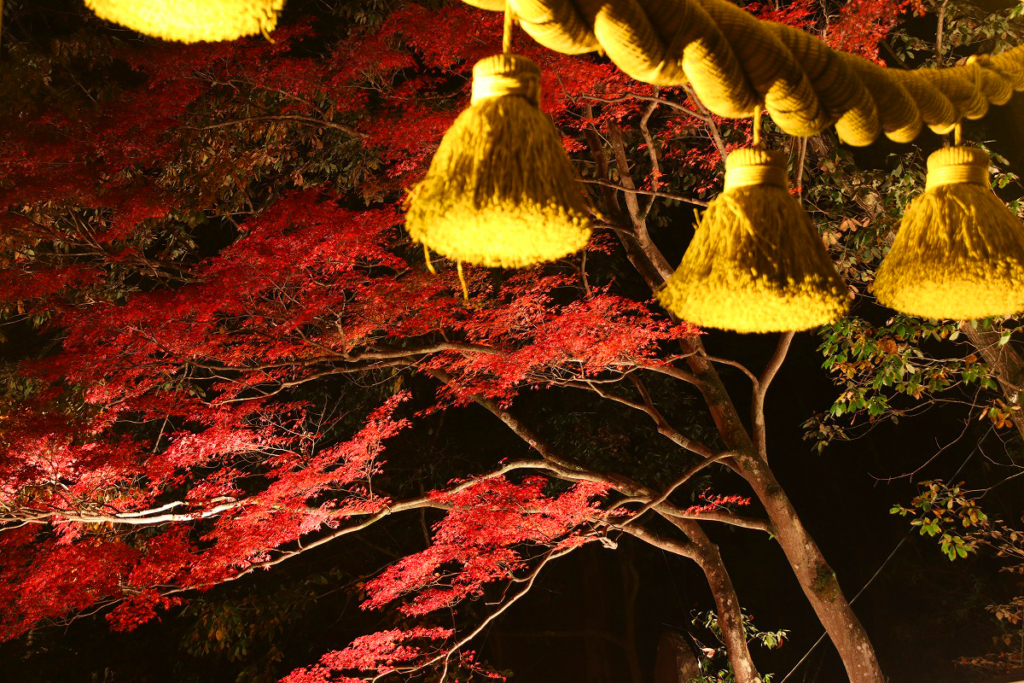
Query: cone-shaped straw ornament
500,190
960,251
191,21
756,263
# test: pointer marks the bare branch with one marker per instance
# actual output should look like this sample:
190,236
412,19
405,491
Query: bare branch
141,518
640,232
761,390
675,373
652,153
446,656
664,428
716,135
691,472
298,119
647,98
646,193
734,364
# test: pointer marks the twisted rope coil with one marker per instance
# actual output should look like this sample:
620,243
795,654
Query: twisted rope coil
736,62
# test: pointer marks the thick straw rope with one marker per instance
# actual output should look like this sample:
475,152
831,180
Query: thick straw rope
735,62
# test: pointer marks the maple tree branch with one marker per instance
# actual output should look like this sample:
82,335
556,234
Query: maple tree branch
640,261
529,581
647,98
647,193
520,430
417,503
691,472
398,358
652,153
380,354
690,378
599,157
674,372
31,516
638,492
664,428
733,364
464,347
716,135
569,470
282,386
148,517
640,232
730,518
349,130
669,545
761,390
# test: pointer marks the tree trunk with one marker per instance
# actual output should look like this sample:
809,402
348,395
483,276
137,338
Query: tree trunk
730,617
727,606
816,578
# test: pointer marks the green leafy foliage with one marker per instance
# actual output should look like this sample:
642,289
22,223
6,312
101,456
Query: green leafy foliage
946,512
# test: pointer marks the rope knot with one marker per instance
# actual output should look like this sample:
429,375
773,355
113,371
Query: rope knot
750,166
955,165
501,75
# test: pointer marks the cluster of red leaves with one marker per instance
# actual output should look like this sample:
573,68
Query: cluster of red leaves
478,539
530,339
863,24
377,653
309,285
714,501
799,13
169,394
300,490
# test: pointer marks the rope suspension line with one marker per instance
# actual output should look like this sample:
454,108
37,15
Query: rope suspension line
736,62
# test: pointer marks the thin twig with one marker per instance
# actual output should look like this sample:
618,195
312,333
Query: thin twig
798,178
712,126
761,390
686,476
646,193
657,100
491,617
299,119
652,153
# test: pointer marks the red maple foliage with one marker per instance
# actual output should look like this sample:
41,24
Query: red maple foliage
217,240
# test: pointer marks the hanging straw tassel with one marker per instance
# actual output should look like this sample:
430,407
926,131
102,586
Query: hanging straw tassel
191,21
756,264
500,190
960,251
